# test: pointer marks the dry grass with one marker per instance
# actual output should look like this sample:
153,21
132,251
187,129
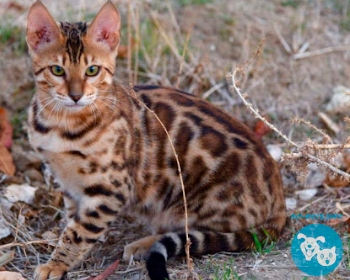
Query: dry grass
304,53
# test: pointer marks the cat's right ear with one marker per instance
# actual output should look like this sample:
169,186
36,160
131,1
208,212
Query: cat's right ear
42,29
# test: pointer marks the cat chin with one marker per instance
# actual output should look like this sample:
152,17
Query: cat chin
75,107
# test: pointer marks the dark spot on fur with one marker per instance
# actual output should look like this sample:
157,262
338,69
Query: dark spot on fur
77,154
92,228
239,143
97,189
120,197
213,141
106,210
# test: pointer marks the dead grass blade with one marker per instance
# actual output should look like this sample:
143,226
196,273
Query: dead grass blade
108,272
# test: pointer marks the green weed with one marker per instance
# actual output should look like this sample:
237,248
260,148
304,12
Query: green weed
221,270
264,246
291,3
13,37
17,122
345,23
194,2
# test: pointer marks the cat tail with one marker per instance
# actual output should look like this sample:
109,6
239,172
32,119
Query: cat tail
202,242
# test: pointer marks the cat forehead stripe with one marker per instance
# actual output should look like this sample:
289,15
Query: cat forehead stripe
74,33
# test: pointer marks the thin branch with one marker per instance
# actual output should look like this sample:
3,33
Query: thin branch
137,42
300,153
321,52
9,245
325,136
129,55
284,43
255,112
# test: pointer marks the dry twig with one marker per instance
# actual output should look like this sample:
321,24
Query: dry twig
301,151
321,52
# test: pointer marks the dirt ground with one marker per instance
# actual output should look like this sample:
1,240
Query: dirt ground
293,55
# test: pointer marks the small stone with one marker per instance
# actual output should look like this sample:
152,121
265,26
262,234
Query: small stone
291,203
275,151
306,194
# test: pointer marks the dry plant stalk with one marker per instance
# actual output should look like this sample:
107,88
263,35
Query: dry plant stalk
302,150
129,47
14,244
188,241
326,137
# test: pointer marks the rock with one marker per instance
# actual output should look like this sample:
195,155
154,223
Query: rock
291,203
340,101
275,151
315,177
306,194
4,229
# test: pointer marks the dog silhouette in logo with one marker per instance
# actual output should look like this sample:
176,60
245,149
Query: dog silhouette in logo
309,246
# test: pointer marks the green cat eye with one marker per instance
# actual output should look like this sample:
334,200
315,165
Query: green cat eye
92,70
57,70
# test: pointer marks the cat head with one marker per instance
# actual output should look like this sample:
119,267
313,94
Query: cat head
327,257
73,62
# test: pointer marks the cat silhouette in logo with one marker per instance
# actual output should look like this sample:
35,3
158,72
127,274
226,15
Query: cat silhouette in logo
327,257
309,246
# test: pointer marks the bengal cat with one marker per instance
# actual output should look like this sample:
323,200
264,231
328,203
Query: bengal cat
111,155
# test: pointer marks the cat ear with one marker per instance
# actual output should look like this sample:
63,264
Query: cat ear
105,28
42,29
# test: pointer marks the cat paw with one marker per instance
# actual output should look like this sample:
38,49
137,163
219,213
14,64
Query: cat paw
138,249
50,270
135,252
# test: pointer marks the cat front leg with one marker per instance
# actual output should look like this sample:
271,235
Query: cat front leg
91,221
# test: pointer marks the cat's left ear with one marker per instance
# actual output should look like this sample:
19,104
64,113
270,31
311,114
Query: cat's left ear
105,28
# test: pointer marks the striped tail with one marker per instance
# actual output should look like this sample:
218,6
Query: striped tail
202,242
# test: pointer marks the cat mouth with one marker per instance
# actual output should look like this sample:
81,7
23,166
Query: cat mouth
74,107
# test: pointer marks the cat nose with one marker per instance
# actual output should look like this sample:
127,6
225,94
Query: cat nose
75,96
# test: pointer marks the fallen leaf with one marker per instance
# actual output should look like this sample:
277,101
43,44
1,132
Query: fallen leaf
334,222
261,129
336,180
6,161
9,275
6,129
4,229
108,272
24,193
6,257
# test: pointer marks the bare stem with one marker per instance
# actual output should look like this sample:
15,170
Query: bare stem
300,152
